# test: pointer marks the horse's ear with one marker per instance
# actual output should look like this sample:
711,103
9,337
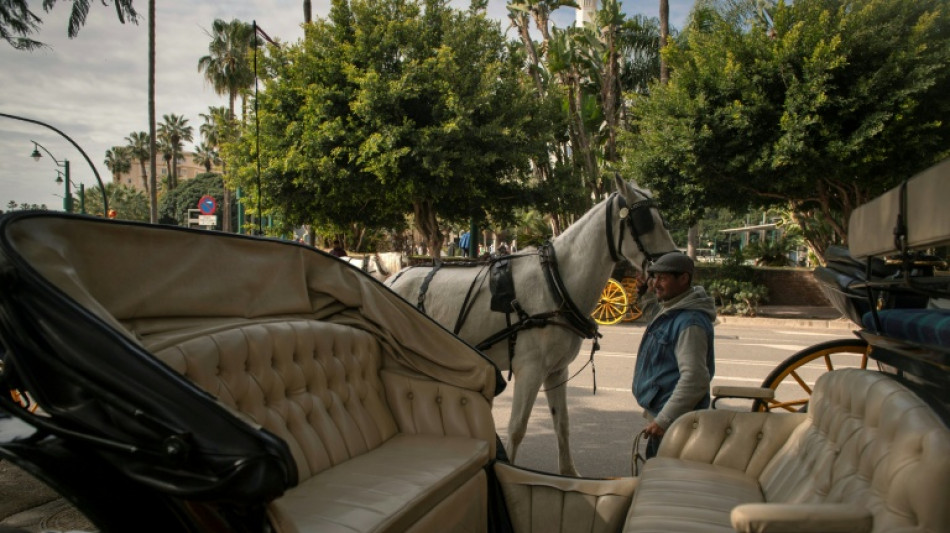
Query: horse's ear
619,184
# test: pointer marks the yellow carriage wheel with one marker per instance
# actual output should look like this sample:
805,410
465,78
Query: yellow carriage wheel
793,380
633,308
612,305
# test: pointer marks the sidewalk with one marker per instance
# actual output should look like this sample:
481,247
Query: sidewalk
25,503
794,317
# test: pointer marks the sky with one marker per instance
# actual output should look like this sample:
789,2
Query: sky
94,88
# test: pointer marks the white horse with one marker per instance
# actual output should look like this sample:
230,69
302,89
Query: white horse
392,261
558,292
371,264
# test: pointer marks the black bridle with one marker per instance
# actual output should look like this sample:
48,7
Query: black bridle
638,218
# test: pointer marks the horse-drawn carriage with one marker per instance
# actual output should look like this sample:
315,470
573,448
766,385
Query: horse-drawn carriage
194,381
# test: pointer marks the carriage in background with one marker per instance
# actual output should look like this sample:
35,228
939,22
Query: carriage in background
295,393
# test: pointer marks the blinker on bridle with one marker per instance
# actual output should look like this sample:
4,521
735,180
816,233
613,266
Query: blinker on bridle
637,218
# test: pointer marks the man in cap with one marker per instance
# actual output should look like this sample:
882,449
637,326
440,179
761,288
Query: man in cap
675,362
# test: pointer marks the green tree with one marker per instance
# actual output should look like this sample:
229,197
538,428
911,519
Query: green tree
173,131
816,106
129,203
17,22
175,204
228,67
393,108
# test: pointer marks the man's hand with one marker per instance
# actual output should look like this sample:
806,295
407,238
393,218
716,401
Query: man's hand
654,430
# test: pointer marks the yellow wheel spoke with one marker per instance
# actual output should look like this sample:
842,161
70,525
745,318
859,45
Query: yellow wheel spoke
612,305
798,373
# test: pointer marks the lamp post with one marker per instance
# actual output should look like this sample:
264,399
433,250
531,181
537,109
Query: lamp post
81,188
68,197
102,187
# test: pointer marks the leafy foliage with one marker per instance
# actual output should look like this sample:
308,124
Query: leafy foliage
831,104
17,22
737,297
391,108
129,203
175,204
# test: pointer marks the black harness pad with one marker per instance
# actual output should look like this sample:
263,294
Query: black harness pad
502,285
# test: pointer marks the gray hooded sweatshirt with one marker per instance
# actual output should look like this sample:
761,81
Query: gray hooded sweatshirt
691,349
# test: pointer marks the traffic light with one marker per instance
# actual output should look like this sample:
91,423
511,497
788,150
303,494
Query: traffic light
113,213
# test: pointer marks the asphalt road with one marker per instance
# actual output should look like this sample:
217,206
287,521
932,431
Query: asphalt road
603,425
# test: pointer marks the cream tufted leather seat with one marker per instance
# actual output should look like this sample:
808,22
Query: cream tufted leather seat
386,414
869,455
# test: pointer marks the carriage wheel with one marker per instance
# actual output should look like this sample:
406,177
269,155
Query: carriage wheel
612,305
788,380
634,311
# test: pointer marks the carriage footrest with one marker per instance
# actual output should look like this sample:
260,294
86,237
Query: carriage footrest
745,393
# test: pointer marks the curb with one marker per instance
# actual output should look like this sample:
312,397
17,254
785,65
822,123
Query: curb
837,324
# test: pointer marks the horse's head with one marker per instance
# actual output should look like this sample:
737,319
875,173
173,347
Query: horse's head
636,230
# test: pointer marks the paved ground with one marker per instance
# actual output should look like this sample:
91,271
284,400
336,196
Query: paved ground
28,505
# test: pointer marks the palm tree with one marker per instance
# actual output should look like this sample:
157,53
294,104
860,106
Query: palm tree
215,127
664,37
206,156
118,161
227,68
138,144
153,181
175,129
16,19
164,147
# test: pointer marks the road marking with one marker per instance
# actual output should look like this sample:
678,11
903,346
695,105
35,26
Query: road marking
812,333
789,347
716,380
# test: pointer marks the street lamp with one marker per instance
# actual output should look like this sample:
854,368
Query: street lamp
102,187
81,188
68,197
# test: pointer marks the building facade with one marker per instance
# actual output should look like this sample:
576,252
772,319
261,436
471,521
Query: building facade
187,169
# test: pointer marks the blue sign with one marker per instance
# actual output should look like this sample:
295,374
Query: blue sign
207,205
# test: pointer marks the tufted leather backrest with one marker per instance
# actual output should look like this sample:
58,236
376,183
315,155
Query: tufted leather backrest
871,441
314,384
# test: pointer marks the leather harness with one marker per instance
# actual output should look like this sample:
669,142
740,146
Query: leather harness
567,314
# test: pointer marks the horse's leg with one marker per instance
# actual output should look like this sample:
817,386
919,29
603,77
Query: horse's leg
528,379
555,388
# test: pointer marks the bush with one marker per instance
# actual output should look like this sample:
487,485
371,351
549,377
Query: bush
737,297
733,287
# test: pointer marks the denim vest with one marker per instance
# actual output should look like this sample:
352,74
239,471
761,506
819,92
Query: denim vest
657,371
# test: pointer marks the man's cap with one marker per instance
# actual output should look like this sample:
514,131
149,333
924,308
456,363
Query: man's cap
672,262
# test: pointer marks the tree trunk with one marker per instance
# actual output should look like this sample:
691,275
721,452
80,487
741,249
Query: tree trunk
692,241
227,200
145,178
153,165
427,223
664,37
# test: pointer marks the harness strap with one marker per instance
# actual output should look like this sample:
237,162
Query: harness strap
399,274
468,301
425,287
539,320
585,325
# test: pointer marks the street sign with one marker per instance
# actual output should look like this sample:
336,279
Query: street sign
207,220
207,205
